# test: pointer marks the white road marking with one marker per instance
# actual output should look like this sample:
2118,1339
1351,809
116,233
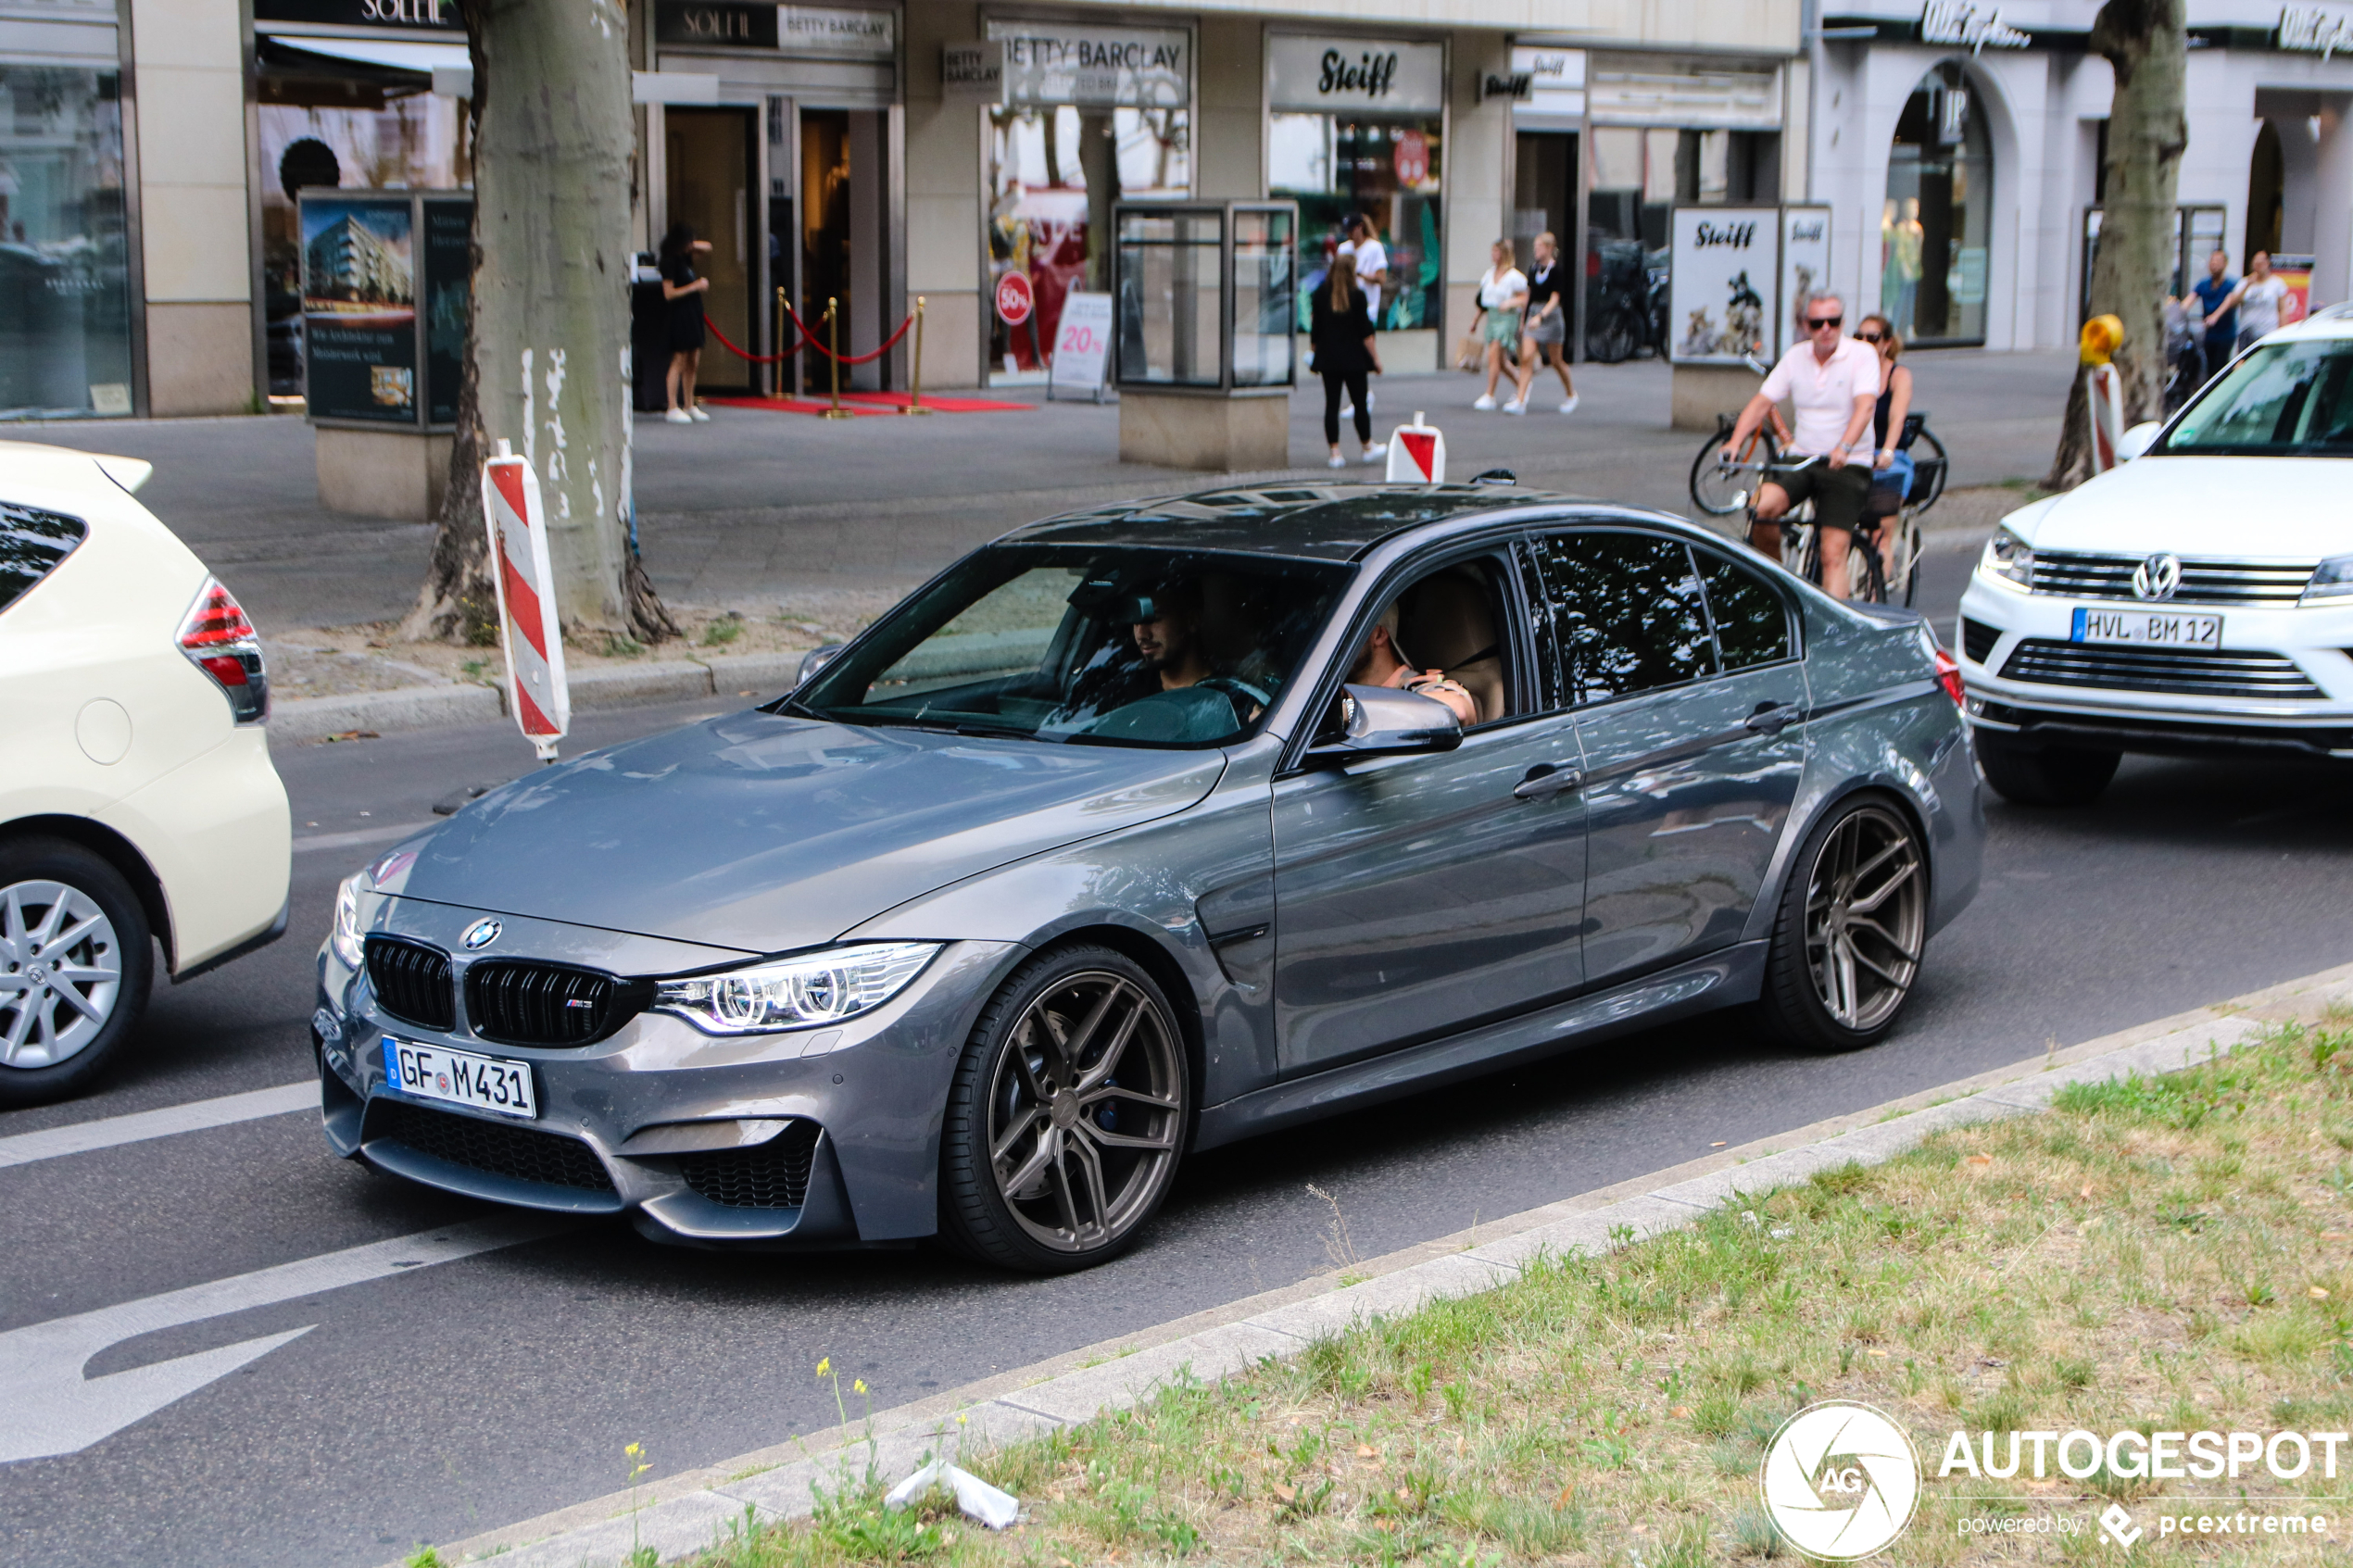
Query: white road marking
359,836
54,1410
106,1132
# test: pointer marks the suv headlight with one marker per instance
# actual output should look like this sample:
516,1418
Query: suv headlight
2333,579
343,936
2010,558
796,993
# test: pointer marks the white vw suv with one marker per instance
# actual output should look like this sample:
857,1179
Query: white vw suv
2196,600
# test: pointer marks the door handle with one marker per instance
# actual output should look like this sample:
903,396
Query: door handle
1544,781
1772,718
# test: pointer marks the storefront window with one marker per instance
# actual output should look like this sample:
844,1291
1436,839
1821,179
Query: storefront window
1338,166
1935,227
1094,115
395,137
1640,175
65,295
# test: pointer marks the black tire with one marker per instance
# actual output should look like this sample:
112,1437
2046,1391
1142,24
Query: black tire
50,1045
2043,775
1713,489
1861,548
1840,868
1613,338
1131,1134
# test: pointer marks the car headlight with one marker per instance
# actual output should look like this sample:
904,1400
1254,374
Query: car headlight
2333,579
2010,558
345,935
796,993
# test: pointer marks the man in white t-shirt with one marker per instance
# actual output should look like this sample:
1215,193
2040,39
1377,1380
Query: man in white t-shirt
1833,383
1371,257
2258,298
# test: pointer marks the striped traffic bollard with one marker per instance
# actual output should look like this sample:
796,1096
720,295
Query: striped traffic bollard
529,626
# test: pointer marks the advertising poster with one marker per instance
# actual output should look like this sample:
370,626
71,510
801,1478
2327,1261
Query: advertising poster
448,254
1806,267
1722,299
360,308
2295,271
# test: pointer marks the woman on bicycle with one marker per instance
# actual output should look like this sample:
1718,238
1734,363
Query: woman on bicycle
1891,467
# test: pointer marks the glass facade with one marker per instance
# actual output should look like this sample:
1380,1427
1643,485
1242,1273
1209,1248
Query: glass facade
1338,165
65,263
1936,223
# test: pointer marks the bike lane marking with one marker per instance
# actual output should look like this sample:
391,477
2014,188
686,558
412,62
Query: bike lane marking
106,1131
53,1408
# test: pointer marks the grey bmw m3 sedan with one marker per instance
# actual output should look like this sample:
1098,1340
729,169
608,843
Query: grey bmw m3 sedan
1141,831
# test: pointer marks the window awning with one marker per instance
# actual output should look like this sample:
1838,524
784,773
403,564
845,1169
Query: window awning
389,53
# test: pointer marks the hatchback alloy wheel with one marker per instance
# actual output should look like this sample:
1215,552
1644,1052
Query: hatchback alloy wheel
60,972
1080,1119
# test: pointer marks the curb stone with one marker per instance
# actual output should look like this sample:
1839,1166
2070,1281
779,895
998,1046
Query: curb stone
424,708
684,1513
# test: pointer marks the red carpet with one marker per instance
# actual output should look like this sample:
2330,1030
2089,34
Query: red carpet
869,402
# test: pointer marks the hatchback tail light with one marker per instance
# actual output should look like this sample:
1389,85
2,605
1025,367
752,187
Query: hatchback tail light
1948,674
220,641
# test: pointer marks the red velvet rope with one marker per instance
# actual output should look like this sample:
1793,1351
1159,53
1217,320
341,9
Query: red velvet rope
809,340
753,359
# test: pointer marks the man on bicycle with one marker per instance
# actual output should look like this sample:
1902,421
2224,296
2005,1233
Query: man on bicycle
1833,383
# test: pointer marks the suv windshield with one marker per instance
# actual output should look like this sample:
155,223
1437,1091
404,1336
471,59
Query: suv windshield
1125,645
2286,399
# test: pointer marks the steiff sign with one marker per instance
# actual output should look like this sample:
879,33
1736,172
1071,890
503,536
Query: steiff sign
1369,75
1721,299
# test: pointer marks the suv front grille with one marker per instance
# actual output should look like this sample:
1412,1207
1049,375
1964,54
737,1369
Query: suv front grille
411,982
2261,676
2203,582
523,1154
770,1175
517,1002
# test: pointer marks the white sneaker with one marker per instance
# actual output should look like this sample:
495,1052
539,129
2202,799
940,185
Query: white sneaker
1348,410
1569,407
700,414
1515,406
1372,400
1486,404
1376,451
1337,461
679,417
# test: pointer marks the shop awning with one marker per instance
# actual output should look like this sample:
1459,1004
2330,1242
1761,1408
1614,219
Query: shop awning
385,54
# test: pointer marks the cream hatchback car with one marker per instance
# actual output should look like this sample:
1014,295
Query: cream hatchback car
2197,601
137,802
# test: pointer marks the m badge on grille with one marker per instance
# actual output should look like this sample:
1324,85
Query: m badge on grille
2158,577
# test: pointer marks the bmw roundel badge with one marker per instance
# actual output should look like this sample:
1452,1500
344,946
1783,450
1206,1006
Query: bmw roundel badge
482,934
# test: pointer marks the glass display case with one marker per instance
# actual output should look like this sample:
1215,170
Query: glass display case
1203,296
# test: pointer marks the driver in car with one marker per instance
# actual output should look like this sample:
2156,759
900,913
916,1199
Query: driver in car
1381,663
1170,644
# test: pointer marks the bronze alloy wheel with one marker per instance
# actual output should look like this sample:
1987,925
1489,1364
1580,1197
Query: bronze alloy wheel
1866,918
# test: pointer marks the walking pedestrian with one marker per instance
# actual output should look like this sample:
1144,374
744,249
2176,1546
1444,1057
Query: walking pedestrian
1502,295
1362,251
685,292
2217,309
1340,328
1545,335
2258,298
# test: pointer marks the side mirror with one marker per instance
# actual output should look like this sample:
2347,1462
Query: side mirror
2137,440
815,661
1382,720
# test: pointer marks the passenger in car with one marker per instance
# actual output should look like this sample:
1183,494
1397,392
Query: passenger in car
1382,663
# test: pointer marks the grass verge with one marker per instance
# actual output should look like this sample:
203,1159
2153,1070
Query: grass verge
2156,1254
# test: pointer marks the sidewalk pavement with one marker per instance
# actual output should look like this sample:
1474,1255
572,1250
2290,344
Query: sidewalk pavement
756,507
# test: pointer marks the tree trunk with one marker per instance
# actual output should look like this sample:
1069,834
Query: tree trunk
2146,42
547,342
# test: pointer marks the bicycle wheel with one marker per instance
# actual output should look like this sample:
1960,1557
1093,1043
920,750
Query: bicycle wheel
1904,555
1865,582
1925,449
1720,492
1798,553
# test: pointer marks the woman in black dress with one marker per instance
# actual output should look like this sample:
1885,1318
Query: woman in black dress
1341,331
685,293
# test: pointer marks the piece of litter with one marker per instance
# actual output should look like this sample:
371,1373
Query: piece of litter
1881,1354
2318,1293
1718,1145
1780,1232
974,1496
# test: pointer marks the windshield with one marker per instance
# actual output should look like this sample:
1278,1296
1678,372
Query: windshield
1122,646
2286,399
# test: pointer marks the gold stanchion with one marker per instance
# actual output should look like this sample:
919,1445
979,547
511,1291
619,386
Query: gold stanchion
779,382
915,403
833,337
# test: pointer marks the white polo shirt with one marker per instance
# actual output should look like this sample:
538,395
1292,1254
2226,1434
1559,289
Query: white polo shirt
1824,394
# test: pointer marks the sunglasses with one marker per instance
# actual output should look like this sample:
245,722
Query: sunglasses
1871,337
1816,323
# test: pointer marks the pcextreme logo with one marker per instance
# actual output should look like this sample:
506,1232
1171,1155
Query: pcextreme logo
1840,1480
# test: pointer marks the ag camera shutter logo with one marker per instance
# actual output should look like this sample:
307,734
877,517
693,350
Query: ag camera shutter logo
1839,1481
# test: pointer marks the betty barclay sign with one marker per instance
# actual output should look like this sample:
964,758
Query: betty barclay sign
1722,297
1079,63
1369,75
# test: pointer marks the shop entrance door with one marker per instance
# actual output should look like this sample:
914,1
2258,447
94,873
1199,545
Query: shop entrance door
843,247
710,160
1544,201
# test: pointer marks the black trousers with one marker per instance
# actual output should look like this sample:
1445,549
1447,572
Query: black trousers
1353,383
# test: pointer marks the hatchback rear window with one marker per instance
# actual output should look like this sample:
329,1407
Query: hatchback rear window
31,544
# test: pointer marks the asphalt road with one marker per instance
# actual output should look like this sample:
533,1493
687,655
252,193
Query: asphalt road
438,1400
